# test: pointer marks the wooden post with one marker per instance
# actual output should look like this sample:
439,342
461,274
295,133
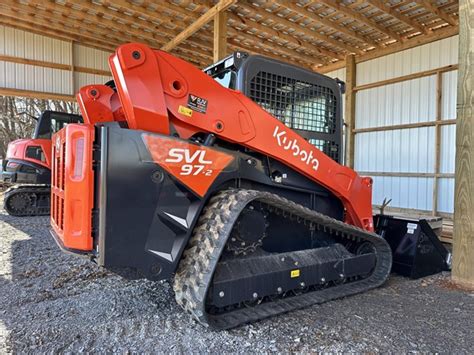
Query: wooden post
349,115
73,68
463,242
220,36
437,163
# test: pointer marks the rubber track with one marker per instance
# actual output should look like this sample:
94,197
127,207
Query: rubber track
29,189
200,259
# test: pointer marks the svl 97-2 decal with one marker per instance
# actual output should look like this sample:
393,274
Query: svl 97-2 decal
195,166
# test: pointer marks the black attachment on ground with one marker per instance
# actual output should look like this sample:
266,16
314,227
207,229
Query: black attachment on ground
417,251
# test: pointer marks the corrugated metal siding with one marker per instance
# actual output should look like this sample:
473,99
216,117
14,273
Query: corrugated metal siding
82,79
91,57
405,192
446,195
450,84
429,56
409,150
406,102
23,44
339,73
18,43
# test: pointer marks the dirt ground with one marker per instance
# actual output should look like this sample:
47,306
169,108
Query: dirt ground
55,302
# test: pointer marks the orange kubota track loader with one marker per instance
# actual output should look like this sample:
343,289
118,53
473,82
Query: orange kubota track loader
174,175
27,165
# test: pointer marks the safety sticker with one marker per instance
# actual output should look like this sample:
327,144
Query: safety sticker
197,103
185,111
411,227
295,273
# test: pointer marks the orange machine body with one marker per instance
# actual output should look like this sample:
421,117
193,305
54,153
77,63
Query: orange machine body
18,149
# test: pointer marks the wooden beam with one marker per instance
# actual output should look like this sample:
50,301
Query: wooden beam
38,28
434,10
17,24
346,10
349,116
240,26
407,174
263,36
91,71
38,63
122,25
412,211
44,64
72,20
36,17
302,11
258,31
405,126
463,243
302,57
195,46
350,48
220,36
36,94
222,5
267,36
383,6
399,79
263,50
394,48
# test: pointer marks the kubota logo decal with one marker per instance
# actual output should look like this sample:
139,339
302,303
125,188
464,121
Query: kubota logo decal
193,165
292,145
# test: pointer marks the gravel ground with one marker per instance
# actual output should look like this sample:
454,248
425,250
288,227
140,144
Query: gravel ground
55,302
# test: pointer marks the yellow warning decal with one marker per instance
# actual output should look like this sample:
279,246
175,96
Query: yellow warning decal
185,111
295,273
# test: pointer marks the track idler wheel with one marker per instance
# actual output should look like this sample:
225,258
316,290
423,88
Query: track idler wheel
19,203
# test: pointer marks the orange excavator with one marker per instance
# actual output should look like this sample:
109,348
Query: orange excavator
226,181
27,165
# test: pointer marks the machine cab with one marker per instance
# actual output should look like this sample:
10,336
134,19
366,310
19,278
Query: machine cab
307,102
51,121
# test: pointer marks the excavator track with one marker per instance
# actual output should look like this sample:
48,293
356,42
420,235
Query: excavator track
196,272
27,200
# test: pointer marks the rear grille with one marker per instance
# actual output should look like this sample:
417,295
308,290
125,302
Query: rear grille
72,187
57,181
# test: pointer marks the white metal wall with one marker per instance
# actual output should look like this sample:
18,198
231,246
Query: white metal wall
90,58
407,150
22,44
